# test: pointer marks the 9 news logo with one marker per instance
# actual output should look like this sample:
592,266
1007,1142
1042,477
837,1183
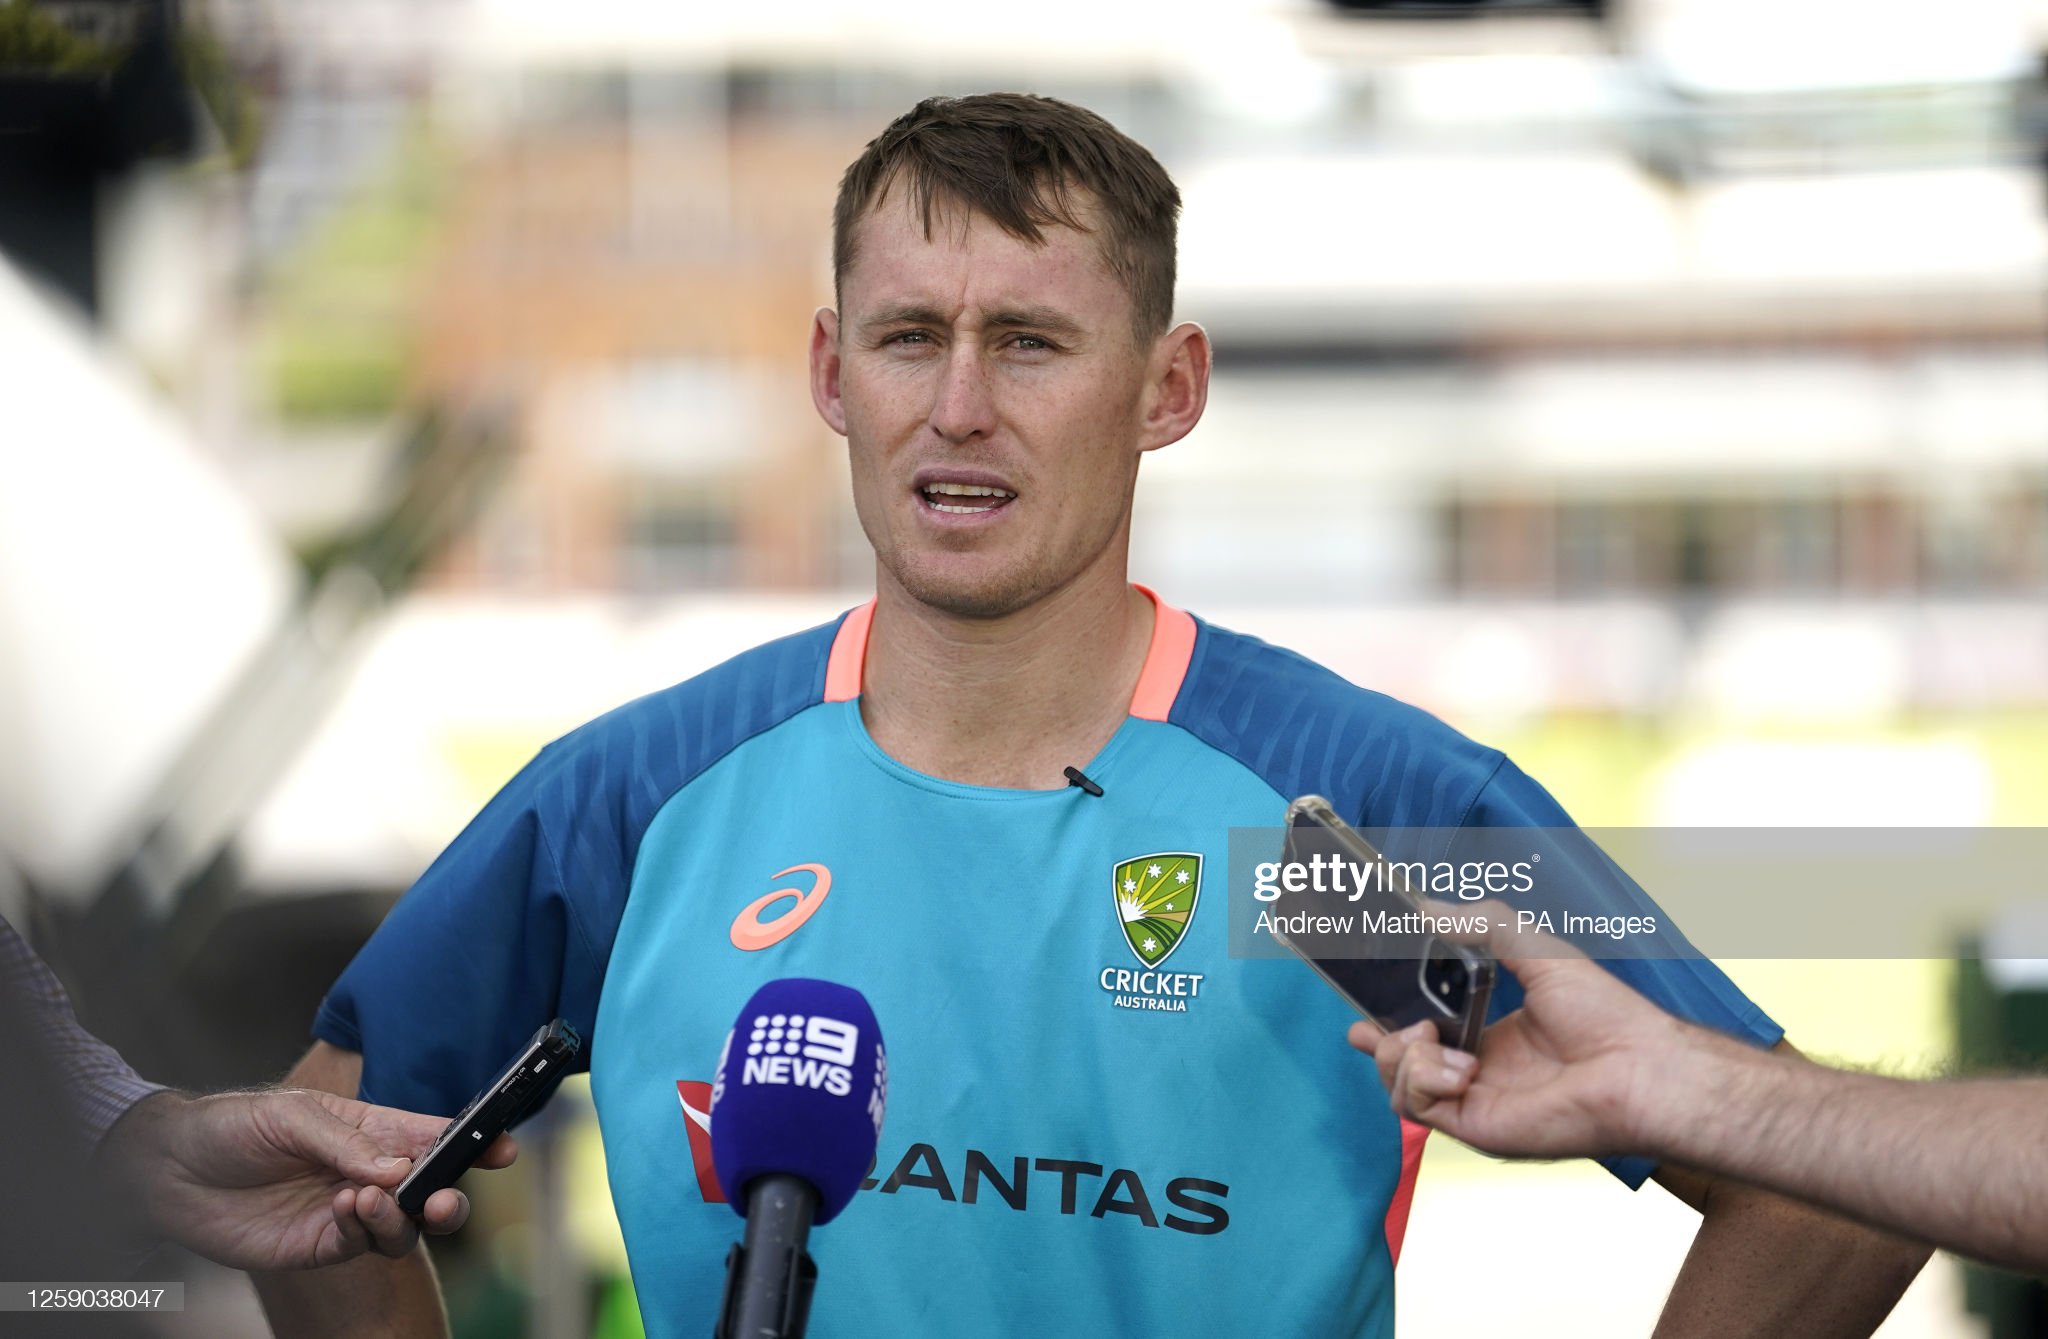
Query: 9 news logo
804,1052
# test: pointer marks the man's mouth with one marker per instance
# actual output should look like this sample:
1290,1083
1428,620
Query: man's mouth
962,499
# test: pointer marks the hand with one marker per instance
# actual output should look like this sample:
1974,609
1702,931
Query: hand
1571,1072
283,1178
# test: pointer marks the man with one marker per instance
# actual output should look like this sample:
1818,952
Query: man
255,1180
996,800
1587,1066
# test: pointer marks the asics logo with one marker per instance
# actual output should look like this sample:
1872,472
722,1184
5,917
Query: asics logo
750,933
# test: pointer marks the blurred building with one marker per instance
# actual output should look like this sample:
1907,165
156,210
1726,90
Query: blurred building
1616,318
1560,366
634,256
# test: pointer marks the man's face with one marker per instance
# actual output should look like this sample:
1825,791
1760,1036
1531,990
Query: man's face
993,401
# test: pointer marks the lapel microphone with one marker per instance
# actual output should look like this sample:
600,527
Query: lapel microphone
1076,778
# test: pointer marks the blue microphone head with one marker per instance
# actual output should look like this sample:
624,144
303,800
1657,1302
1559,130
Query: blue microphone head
800,1089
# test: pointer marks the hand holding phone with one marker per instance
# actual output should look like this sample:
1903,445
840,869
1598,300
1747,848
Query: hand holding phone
516,1094
1392,967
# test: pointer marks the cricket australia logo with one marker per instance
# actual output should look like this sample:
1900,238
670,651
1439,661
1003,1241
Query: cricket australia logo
1155,899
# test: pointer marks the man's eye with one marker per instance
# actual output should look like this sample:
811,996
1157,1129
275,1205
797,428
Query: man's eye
1030,342
911,337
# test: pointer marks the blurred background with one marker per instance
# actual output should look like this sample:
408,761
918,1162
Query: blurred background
1657,390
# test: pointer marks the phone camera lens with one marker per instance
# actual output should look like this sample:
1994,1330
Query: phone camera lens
1447,979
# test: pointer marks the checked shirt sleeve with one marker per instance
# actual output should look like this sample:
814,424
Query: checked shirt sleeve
98,1084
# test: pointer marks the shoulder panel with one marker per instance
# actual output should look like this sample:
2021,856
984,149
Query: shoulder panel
1303,730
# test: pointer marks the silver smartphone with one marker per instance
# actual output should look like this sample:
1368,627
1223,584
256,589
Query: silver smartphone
1387,966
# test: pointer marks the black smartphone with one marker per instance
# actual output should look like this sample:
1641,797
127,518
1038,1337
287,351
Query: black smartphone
1364,932
516,1094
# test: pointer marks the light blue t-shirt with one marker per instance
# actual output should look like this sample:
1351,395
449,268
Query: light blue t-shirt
1089,1131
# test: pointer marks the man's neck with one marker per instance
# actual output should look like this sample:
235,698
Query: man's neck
1011,701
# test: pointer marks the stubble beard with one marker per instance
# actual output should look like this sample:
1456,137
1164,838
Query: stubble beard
996,592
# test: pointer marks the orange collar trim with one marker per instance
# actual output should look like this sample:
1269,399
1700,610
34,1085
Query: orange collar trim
1166,660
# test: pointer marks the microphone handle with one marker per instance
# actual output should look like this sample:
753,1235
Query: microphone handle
769,1276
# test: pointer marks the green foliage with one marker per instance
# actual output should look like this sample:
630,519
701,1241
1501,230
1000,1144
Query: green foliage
228,101
32,40
336,374
339,312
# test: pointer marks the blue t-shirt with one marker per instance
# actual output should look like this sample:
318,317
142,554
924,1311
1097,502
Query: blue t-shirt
1088,1131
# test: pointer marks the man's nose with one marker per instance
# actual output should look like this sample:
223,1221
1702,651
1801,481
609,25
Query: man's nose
964,403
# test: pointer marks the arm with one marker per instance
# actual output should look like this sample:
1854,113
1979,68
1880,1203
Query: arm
97,1082
1587,1066
370,1297
1964,1165
1765,1264
278,1179
1568,1074
256,1180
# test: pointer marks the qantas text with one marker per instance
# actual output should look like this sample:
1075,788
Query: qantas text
1192,1205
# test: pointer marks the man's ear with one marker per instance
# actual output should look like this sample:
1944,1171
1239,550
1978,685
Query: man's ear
825,369
1177,386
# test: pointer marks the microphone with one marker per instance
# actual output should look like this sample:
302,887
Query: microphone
796,1108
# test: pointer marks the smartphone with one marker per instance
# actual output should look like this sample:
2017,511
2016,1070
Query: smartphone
516,1094
1388,968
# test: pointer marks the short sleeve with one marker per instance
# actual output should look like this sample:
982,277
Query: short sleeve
482,951
1678,980
513,925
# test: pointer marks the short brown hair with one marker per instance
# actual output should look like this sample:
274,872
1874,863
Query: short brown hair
1019,159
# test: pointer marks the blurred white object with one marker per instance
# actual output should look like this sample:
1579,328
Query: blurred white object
452,694
1763,782
1755,46
134,586
1796,661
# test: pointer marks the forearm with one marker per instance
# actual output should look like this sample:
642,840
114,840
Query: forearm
1961,1165
1764,1264
368,1298
372,1297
